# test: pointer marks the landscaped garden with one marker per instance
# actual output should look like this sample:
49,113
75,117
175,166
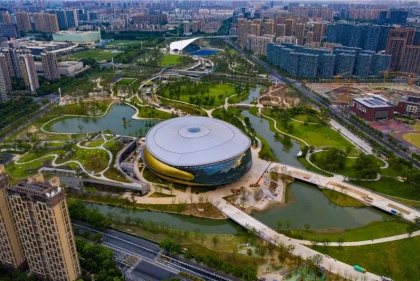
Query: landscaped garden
168,60
122,44
97,54
126,81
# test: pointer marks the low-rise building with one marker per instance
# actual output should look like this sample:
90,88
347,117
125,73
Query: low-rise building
79,37
409,105
373,108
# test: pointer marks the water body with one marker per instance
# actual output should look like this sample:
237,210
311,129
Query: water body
175,221
112,121
313,207
254,93
205,53
285,155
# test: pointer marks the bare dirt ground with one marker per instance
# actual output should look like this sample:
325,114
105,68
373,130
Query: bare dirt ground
278,95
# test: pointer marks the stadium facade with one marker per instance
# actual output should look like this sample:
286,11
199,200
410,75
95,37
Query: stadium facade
197,151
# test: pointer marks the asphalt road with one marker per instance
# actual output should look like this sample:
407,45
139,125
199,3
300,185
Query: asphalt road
154,264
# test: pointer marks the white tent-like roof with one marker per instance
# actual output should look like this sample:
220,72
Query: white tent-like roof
180,45
195,141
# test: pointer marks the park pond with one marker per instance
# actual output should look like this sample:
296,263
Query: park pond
113,121
311,206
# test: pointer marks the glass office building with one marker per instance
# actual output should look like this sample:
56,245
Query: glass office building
197,151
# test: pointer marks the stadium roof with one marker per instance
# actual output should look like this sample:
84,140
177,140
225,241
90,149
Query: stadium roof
180,45
195,141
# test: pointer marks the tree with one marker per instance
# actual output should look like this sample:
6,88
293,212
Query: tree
366,167
97,237
215,240
288,224
279,224
307,226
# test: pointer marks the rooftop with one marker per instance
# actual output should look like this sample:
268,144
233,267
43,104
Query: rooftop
194,141
374,102
411,99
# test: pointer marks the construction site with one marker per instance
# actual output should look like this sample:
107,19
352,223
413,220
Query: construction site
344,89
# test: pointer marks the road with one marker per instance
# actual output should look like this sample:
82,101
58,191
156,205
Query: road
335,112
153,264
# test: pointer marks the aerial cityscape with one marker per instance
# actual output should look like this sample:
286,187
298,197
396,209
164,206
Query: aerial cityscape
209,140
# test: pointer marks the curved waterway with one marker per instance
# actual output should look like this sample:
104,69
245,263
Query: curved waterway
112,121
173,220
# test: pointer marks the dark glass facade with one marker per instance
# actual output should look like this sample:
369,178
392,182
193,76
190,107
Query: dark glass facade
214,174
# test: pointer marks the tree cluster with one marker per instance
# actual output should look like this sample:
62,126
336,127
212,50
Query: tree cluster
14,109
366,167
333,160
79,211
97,259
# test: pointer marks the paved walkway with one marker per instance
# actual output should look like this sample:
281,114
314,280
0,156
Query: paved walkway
272,236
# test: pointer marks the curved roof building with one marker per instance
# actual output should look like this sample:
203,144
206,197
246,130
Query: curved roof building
198,151
178,46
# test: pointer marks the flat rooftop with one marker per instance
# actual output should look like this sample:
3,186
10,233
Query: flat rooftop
374,102
411,99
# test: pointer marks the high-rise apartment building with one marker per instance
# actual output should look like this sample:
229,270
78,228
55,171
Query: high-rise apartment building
372,37
344,63
290,26
300,32
411,60
50,23
72,20
50,65
6,17
380,62
12,61
61,19
43,226
280,30
23,21
28,70
5,84
318,30
363,65
8,29
309,37
38,19
268,27
11,254
398,40
258,44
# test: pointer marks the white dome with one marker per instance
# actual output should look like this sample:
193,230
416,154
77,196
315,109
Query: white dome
195,141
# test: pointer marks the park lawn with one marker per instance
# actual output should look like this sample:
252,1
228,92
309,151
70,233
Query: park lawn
373,230
168,59
160,195
396,259
412,138
98,55
22,171
126,81
393,187
216,91
93,159
416,126
96,143
341,199
316,135
121,44
114,174
187,108
307,118
149,112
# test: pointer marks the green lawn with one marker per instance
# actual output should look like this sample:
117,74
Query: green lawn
22,171
190,109
121,44
96,143
341,199
393,187
316,135
98,55
397,259
216,91
125,81
168,59
93,159
149,112
115,174
373,230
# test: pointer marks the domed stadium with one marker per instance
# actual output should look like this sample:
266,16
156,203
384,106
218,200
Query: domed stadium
197,151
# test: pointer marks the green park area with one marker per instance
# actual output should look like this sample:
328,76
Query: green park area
168,60
152,113
396,259
413,138
121,44
201,94
374,230
126,81
317,135
98,55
